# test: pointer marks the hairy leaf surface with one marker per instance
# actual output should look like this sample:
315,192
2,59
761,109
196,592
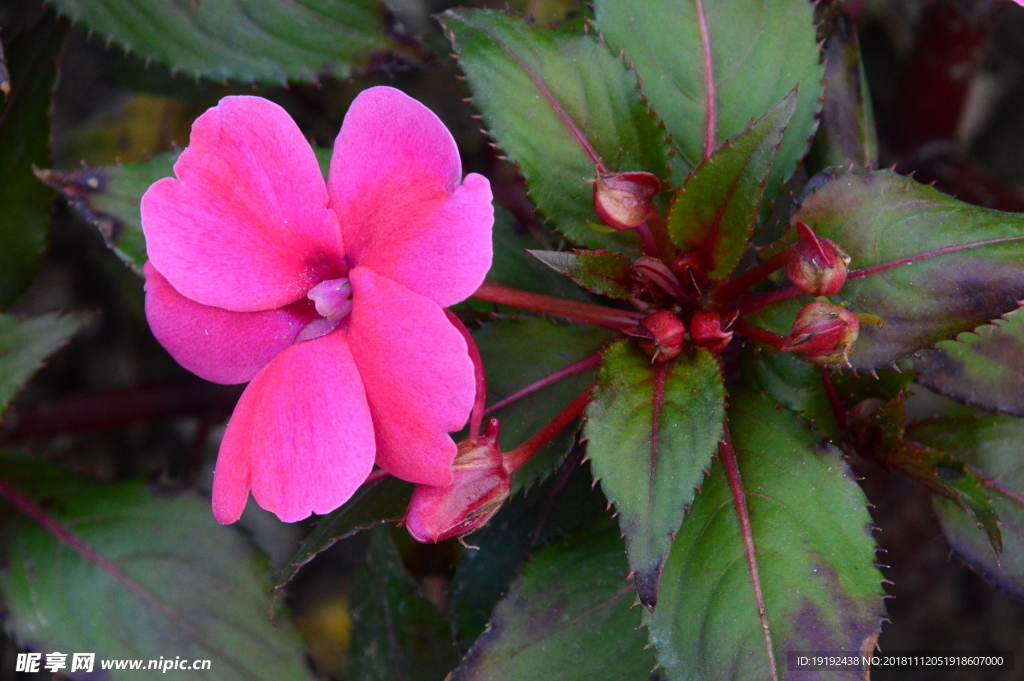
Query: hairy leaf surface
930,266
991,447
559,105
985,369
715,212
709,67
814,555
651,431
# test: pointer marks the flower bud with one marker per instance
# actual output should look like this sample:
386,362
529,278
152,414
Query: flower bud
817,266
823,334
708,330
667,336
479,488
623,200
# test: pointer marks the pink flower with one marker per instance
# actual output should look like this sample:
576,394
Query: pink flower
327,297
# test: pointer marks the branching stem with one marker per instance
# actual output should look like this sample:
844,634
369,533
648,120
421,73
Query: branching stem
517,457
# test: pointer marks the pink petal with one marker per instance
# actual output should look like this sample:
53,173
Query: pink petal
246,225
301,435
215,344
394,183
417,373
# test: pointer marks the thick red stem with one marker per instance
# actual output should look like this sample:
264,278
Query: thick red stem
730,289
477,416
760,335
739,497
578,367
647,239
623,320
521,454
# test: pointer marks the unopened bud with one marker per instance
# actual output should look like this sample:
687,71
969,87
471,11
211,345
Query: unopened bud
667,336
823,334
709,330
817,266
623,200
479,488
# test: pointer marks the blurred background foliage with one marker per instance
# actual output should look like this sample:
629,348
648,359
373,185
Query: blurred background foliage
947,84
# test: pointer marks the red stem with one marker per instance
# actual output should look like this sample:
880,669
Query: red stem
623,320
833,398
755,301
30,509
760,335
710,110
739,497
580,366
521,454
647,238
731,289
477,416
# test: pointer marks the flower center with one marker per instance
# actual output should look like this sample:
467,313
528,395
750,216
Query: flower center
333,298
333,301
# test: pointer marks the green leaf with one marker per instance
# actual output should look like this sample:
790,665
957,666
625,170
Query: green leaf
109,198
758,51
716,209
372,504
396,633
247,40
883,433
981,368
990,447
564,502
558,104
814,555
184,585
652,430
25,205
513,266
25,343
567,617
520,352
602,272
847,131
794,383
930,266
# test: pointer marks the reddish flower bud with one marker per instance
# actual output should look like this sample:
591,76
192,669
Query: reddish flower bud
667,336
817,266
709,330
823,334
479,488
623,200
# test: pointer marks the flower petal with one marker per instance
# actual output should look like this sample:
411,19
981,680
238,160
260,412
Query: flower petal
245,226
219,345
301,435
394,183
418,377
